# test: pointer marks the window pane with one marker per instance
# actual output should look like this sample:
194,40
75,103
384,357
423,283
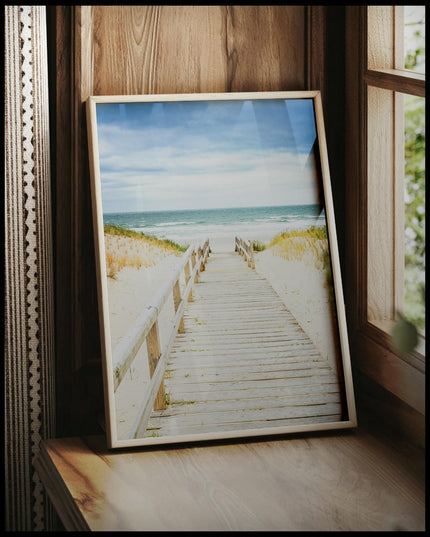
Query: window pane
414,307
414,38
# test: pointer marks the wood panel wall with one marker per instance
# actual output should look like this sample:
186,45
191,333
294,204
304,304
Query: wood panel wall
107,50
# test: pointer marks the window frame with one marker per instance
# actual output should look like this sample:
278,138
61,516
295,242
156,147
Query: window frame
373,56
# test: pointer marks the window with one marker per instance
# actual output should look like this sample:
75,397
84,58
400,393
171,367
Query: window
385,178
395,166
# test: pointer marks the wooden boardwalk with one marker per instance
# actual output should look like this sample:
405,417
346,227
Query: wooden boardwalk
243,361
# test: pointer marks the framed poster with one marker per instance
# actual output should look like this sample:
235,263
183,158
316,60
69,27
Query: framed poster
219,285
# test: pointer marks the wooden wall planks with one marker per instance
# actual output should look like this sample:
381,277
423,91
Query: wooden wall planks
107,50
177,49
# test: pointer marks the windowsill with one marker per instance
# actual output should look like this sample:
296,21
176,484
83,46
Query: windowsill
241,486
416,358
402,375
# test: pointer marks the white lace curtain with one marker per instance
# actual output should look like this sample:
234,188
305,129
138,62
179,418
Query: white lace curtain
29,330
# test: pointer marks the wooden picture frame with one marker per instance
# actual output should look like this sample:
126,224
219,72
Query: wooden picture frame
233,357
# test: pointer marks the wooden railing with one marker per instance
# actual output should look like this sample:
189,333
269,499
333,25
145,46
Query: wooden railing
146,328
245,248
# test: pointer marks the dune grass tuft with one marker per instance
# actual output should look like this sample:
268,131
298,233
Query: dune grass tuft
258,246
124,232
309,246
128,248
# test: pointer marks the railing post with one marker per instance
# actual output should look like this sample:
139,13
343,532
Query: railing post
193,262
187,277
202,258
251,247
153,346
176,302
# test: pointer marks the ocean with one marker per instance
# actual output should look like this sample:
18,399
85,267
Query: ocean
220,225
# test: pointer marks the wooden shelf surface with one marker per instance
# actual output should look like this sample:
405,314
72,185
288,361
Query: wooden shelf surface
346,480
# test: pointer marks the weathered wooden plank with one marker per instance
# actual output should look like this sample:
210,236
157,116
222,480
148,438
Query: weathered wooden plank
281,316
222,306
232,416
228,332
230,302
241,314
278,383
176,425
243,346
263,325
247,371
249,322
224,359
303,352
209,392
175,428
181,364
220,321
201,326
252,339
232,325
235,375
241,292
240,282
237,288
268,328
191,406
234,274
253,349
236,280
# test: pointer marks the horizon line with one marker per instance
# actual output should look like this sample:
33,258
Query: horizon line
212,208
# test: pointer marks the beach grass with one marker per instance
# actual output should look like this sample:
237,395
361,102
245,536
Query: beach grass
124,232
258,246
309,246
128,248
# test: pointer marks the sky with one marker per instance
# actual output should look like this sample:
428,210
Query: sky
206,154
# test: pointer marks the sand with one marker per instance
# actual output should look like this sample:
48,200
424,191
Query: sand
302,288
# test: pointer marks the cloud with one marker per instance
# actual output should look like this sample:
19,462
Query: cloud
205,160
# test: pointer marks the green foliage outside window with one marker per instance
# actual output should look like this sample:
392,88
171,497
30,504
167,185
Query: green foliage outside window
415,210
414,308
